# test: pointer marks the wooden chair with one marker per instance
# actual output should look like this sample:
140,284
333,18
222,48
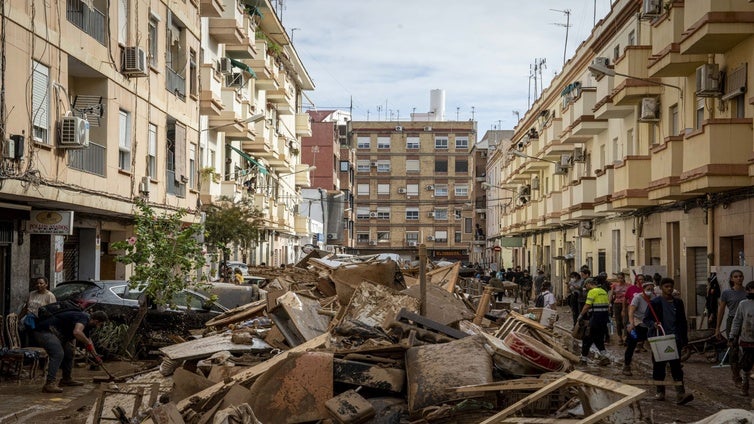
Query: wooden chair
15,358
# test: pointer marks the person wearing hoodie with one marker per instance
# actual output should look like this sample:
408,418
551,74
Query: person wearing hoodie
742,335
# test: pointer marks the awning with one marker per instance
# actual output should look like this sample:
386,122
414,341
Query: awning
262,169
252,7
242,66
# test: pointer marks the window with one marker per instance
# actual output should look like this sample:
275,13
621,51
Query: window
344,166
674,130
412,237
153,23
412,142
457,237
383,235
603,156
462,190
152,152
441,166
363,142
192,166
176,60
467,225
124,141
383,212
630,142
412,214
412,189
383,188
362,237
123,8
383,166
699,116
457,213
362,189
441,190
462,166
193,74
362,212
383,142
632,38
40,102
363,165
616,52
462,142
441,236
412,165
441,214
441,142
616,150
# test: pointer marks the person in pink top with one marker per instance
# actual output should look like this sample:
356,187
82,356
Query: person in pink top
618,300
631,291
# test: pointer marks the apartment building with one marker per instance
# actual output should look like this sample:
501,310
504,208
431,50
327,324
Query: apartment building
139,99
414,185
639,153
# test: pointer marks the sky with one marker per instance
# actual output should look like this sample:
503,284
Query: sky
387,55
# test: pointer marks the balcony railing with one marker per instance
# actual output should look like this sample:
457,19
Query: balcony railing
91,159
174,187
90,20
175,83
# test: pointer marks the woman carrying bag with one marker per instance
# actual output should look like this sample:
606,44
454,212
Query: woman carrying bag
667,315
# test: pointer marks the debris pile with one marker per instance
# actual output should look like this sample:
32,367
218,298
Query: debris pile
345,341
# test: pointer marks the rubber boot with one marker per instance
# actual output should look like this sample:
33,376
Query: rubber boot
681,397
660,394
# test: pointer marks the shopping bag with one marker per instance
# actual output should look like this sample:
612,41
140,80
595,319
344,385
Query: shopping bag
664,347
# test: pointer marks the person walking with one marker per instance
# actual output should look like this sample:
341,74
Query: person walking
668,312
618,300
574,287
636,329
548,299
730,299
742,335
596,310
57,335
538,281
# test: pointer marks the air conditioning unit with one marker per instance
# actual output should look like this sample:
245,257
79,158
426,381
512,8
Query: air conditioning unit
579,155
649,108
652,8
483,154
585,228
708,80
332,236
9,149
601,62
401,190
373,214
133,62
374,164
524,190
430,214
399,128
565,160
224,66
535,183
430,238
235,80
18,145
373,242
429,187
427,128
561,170
412,244
74,132
144,185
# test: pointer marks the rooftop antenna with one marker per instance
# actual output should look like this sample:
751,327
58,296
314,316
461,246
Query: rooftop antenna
379,111
539,64
472,113
567,25
518,116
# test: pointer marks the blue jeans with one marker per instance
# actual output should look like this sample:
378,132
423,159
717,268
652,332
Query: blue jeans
60,353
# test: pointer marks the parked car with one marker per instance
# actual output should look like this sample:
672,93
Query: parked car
240,265
190,311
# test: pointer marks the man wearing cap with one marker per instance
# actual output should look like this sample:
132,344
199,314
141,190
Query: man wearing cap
636,329
596,309
618,300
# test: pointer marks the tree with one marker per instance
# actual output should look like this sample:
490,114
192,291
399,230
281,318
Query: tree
228,223
164,252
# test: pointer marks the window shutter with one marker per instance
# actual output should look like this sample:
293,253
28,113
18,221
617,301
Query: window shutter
180,152
41,104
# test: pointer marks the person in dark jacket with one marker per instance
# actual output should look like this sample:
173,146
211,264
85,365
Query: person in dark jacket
713,295
670,314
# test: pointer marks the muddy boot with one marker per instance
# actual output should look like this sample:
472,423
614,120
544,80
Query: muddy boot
51,387
681,397
660,394
627,370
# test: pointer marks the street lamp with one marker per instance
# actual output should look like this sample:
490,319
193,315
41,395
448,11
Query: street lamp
252,118
310,168
524,155
598,70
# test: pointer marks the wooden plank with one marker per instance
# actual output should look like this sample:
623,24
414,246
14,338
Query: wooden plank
651,382
206,346
429,324
526,383
241,313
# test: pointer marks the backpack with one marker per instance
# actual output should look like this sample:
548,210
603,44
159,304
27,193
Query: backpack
52,309
539,302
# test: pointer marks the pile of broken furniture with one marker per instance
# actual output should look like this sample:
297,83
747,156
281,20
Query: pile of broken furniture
349,344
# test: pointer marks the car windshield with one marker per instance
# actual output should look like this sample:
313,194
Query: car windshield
70,290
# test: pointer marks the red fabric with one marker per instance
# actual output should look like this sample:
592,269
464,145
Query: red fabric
631,291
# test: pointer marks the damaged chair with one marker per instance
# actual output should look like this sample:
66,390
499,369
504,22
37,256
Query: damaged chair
13,358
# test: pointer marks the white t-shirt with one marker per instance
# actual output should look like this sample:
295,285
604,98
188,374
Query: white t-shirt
549,300
37,300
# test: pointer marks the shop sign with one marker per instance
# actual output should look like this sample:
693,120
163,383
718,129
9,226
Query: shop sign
51,222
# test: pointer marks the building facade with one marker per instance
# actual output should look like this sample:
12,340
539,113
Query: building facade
173,103
639,153
414,185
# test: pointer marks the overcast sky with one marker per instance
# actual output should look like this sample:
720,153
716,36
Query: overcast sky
390,54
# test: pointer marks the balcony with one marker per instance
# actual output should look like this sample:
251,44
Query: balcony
532,214
210,100
262,143
302,225
582,199
666,59
551,133
87,19
230,189
604,191
630,91
605,108
90,159
716,26
715,158
303,176
209,189
228,28
553,206
265,66
667,166
211,8
631,180
578,120
303,125
246,49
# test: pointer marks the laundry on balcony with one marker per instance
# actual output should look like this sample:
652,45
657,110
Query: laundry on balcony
242,66
262,169
572,87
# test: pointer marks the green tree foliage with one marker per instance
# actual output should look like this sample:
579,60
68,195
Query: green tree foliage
228,223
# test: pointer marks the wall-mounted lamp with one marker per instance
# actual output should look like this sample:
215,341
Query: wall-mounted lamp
310,168
599,70
252,118
524,155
